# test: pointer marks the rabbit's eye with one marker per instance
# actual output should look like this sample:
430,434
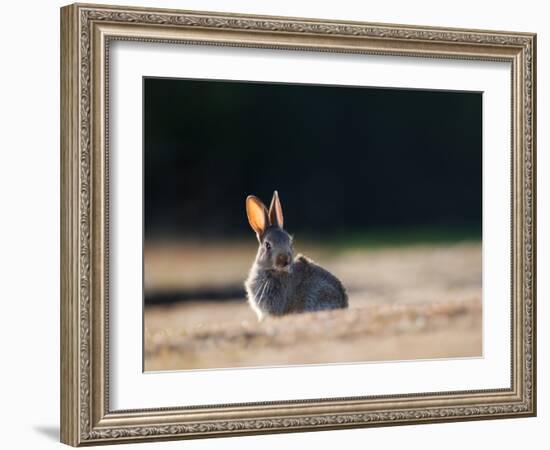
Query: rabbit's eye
267,245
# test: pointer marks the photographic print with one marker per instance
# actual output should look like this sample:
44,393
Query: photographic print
295,224
252,201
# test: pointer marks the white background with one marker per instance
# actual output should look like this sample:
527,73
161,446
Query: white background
29,234
132,389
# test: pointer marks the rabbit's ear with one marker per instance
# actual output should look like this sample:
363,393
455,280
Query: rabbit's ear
257,214
276,211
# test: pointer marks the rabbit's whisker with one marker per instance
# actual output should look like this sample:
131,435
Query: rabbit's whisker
264,287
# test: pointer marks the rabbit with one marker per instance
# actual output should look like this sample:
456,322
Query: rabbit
278,282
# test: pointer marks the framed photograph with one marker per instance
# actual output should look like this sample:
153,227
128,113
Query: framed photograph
274,224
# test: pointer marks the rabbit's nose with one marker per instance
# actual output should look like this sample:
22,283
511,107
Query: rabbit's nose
282,260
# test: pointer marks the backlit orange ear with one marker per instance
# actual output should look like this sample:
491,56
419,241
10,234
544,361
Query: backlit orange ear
257,214
276,211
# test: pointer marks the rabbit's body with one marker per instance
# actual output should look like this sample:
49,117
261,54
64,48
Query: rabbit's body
305,287
278,283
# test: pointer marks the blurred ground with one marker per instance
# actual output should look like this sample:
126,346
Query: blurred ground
406,302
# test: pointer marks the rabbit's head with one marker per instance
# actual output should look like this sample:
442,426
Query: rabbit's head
275,251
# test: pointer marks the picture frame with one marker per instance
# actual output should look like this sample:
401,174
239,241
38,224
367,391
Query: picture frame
87,32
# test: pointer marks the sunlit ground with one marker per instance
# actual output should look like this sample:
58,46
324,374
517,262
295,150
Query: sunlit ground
406,302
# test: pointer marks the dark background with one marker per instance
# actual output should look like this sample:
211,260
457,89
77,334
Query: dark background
344,159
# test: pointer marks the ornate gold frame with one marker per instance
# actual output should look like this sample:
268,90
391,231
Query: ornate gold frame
86,31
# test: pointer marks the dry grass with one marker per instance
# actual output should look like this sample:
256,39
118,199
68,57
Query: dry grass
405,303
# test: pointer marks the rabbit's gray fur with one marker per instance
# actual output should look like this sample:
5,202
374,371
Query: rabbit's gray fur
278,283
